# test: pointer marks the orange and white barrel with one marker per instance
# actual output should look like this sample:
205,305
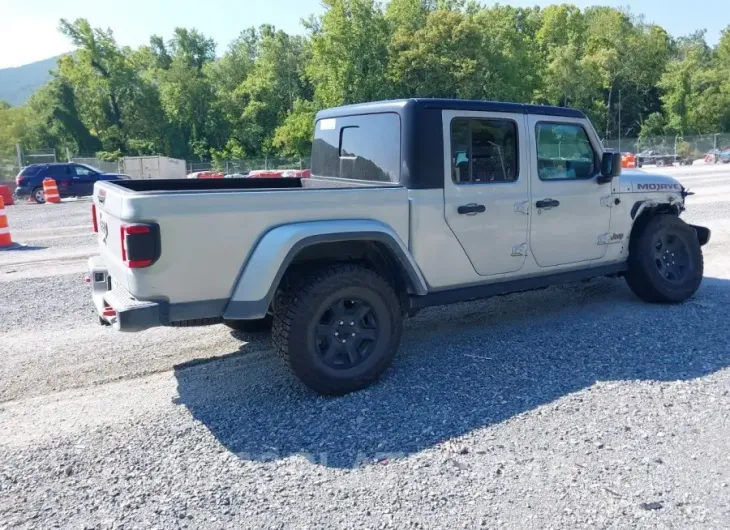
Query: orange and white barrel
5,239
50,190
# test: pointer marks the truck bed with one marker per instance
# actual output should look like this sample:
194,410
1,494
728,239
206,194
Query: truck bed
209,184
208,228
239,184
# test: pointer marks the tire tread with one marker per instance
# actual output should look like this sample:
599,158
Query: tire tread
292,302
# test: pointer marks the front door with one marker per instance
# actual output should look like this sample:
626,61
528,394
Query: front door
486,189
83,180
571,211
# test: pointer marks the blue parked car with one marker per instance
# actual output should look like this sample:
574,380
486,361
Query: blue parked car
73,180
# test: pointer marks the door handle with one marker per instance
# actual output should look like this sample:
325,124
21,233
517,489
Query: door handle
471,209
546,204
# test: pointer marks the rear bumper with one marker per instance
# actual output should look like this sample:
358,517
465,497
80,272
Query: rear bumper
116,306
22,192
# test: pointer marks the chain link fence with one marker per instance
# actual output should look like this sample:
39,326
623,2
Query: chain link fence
246,166
9,166
687,146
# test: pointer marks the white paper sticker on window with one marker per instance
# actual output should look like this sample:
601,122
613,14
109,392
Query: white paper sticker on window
328,125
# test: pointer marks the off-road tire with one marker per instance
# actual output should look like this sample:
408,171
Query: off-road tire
644,276
250,326
299,308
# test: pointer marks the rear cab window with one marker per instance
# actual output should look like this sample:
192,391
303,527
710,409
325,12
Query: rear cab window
362,147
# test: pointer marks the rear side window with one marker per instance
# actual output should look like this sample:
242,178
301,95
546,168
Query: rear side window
30,171
483,151
363,147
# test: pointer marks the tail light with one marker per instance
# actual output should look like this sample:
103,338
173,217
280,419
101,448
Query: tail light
94,220
19,180
140,245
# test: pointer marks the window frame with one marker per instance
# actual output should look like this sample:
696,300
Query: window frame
596,156
338,146
471,119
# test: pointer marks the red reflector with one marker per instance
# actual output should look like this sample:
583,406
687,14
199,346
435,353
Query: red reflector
109,312
139,263
94,221
136,229
123,236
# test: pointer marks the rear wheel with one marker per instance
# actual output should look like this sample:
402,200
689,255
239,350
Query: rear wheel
39,195
665,261
339,328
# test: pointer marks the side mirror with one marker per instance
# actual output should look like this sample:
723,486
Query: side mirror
610,167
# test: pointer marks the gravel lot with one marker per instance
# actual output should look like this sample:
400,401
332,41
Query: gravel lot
573,407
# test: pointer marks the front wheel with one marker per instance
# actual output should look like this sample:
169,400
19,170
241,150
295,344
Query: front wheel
665,261
339,329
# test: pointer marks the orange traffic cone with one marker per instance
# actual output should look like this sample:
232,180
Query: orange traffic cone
5,239
51,191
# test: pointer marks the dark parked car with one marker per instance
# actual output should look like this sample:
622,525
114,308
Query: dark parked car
73,180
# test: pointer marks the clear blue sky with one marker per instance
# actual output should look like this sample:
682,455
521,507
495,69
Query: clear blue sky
28,28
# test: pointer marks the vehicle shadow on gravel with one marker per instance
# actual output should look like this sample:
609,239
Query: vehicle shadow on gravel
459,369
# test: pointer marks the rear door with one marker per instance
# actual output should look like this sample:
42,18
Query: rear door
61,173
486,188
83,180
571,211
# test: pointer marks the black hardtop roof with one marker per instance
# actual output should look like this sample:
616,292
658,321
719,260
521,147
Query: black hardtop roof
398,105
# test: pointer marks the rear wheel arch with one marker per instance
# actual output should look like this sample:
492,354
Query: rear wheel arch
379,251
375,254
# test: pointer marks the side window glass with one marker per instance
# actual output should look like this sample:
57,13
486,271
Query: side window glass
564,152
82,171
361,147
483,151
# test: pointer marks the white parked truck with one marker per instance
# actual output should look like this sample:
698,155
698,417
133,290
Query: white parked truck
411,203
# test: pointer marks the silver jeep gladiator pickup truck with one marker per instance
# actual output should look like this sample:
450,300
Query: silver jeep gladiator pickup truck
411,203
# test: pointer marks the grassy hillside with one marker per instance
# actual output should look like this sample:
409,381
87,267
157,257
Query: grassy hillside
17,84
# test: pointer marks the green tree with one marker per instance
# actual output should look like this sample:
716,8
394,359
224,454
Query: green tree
349,58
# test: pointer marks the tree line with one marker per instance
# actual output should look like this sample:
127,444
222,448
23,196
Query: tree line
259,97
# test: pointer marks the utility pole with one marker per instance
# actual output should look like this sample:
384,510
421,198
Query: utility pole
619,120
19,154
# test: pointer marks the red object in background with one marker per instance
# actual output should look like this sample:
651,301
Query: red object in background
266,173
628,160
280,173
211,175
7,195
